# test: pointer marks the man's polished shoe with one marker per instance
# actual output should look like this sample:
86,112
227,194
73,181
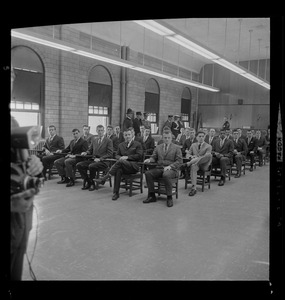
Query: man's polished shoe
70,183
103,179
237,175
169,202
86,184
193,192
115,196
63,180
221,182
92,186
149,199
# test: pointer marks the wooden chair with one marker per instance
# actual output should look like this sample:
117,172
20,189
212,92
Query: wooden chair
216,171
133,182
100,174
203,177
234,168
159,186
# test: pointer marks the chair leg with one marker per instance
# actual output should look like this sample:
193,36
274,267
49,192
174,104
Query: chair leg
131,188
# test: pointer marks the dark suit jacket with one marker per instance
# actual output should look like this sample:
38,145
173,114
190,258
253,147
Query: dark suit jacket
136,124
187,144
127,123
88,138
172,157
115,141
261,143
102,151
175,128
226,149
149,145
252,145
207,139
240,146
76,148
120,137
134,153
57,143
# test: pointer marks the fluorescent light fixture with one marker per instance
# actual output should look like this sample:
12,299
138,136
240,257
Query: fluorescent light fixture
40,41
165,30
178,39
115,61
155,27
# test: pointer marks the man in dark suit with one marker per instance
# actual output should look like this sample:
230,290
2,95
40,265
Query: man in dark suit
65,165
129,154
119,134
169,159
128,122
168,123
148,141
261,147
190,139
201,158
222,152
251,143
137,122
111,135
176,126
87,135
210,138
51,145
240,151
100,149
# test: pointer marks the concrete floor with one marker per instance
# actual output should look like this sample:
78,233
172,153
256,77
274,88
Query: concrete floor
220,234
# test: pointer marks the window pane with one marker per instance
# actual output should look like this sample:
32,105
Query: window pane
12,104
26,118
27,105
35,106
101,111
154,128
90,110
19,105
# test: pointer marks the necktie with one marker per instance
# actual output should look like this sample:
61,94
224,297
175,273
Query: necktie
166,148
99,142
221,143
199,147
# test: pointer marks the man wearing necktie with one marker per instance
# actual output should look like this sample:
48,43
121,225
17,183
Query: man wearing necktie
240,151
66,165
169,158
189,140
261,147
252,148
201,158
222,152
148,141
111,135
129,154
101,148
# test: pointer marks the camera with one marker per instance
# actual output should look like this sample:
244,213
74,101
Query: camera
23,138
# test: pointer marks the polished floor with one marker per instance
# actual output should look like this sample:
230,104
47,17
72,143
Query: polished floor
219,234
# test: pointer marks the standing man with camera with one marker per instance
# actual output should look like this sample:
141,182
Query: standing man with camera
21,205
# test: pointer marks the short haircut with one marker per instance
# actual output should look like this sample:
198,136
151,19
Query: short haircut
75,129
110,126
249,130
166,131
86,126
100,126
147,127
201,131
166,128
52,126
191,129
128,129
235,130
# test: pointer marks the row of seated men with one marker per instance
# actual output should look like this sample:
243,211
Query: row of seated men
89,159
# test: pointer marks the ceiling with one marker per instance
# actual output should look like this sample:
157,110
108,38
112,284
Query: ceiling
236,39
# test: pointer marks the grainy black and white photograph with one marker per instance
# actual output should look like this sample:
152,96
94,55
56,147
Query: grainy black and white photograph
140,150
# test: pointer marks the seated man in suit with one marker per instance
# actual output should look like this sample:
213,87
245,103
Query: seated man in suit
181,137
65,165
190,139
148,141
129,154
240,151
251,143
261,147
51,145
169,158
210,138
87,135
222,152
100,149
111,135
200,154
119,134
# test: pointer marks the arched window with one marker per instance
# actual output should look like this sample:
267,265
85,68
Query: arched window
151,105
186,106
27,99
99,98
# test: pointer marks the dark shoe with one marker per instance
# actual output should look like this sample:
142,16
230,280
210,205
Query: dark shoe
92,186
237,175
192,192
169,202
70,183
251,169
182,177
115,196
63,180
86,184
103,179
149,199
221,182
